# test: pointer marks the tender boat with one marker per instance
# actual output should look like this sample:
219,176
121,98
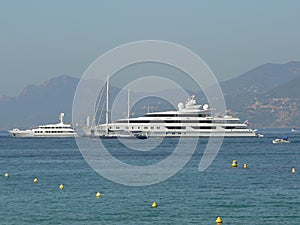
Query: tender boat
50,130
281,140
260,135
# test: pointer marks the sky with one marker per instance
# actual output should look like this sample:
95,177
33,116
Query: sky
45,39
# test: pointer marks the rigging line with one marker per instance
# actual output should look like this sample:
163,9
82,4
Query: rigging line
100,116
97,108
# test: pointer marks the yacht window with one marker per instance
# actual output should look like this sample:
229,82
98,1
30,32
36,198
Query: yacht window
140,121
202,127
176,128
172,121
161,115
229,127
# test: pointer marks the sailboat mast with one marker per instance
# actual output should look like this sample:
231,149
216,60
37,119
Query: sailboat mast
128,109
106,115
128,104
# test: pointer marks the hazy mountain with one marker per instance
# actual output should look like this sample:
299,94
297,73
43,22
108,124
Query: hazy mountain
268,95
290,89
38,104
278,107
262,78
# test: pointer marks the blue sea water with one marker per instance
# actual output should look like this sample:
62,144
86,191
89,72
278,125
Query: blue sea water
267,192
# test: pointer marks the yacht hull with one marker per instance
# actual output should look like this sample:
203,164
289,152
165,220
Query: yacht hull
177,135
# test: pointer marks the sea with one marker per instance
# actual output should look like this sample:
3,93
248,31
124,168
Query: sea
266,192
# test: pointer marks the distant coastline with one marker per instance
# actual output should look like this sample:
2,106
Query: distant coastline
267,96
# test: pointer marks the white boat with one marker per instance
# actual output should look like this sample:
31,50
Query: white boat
281,140
260,135
190,120
50,130
294,130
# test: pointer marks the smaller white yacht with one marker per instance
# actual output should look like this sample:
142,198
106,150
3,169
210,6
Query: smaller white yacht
50,130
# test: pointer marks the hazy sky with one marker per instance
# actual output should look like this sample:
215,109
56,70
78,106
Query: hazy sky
44,39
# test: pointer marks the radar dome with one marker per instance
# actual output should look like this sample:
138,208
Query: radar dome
205,106
180,105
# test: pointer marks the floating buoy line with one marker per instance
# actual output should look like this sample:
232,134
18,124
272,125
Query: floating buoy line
98,195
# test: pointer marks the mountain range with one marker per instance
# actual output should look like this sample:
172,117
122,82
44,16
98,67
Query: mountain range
268,96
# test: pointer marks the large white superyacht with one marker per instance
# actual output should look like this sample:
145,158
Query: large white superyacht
50,130
190,120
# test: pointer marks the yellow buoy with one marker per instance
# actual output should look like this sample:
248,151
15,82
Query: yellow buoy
98,195
61,187
219,220
293,170
245,166
35,180
154,205
234,163
6,174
